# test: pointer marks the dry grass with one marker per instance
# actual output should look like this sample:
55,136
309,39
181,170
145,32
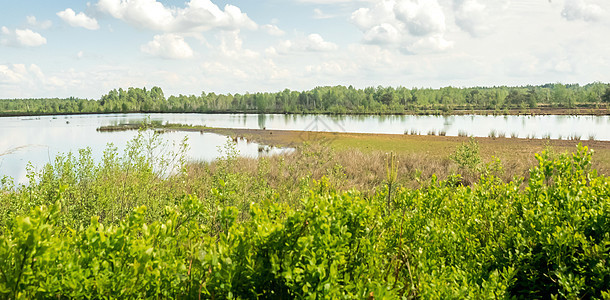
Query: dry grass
13,150
353,160
350,168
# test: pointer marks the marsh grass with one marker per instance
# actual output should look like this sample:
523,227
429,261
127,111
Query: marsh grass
412,132
142,176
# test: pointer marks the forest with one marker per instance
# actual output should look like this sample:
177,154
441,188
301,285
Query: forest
329,99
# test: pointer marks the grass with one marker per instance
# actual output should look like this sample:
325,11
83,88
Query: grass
225,218
514,153
153,125
321,164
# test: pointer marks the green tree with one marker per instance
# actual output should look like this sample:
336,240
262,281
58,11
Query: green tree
606,96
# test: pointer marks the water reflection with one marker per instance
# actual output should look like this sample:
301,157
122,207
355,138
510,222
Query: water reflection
55,134
261,121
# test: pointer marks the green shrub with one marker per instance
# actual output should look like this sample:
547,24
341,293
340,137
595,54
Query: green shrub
548,238
467,156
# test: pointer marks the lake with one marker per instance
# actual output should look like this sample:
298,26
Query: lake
40,139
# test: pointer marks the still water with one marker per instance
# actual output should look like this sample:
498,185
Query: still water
39,139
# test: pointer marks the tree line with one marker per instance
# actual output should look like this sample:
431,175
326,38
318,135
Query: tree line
327,99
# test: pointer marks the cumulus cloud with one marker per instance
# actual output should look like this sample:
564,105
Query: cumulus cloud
32,21
434,43
273,30
12,73
18,78
582,10
78,20
311,43
368,17
169,46
198,15
245,68
415,25
421,17
231,46
471,16
316,43
335,68
319,14
21,37
382,34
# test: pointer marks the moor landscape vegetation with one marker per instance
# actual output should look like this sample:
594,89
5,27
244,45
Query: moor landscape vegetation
305,149
327,220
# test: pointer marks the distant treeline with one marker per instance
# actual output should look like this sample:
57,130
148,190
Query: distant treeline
329,99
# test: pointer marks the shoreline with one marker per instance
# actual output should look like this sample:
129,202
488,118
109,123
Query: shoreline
538,111
510,151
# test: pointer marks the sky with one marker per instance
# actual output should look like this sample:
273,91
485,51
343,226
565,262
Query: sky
64,48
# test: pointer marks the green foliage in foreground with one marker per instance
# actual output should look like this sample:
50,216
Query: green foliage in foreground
547,237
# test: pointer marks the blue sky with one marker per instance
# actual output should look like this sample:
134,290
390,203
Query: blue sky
68,48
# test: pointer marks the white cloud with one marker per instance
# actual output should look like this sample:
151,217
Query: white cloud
333,68
231,46
417,26
21,37
230,66
311,43
197,16
582,10
315,42
563,66
382,34
366,18
10,74
169,46
421,17
434,43
471,16
17,80
78,20
319,14
273,30
32,21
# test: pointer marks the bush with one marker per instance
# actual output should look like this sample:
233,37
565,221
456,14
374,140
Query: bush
549,238
467,156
